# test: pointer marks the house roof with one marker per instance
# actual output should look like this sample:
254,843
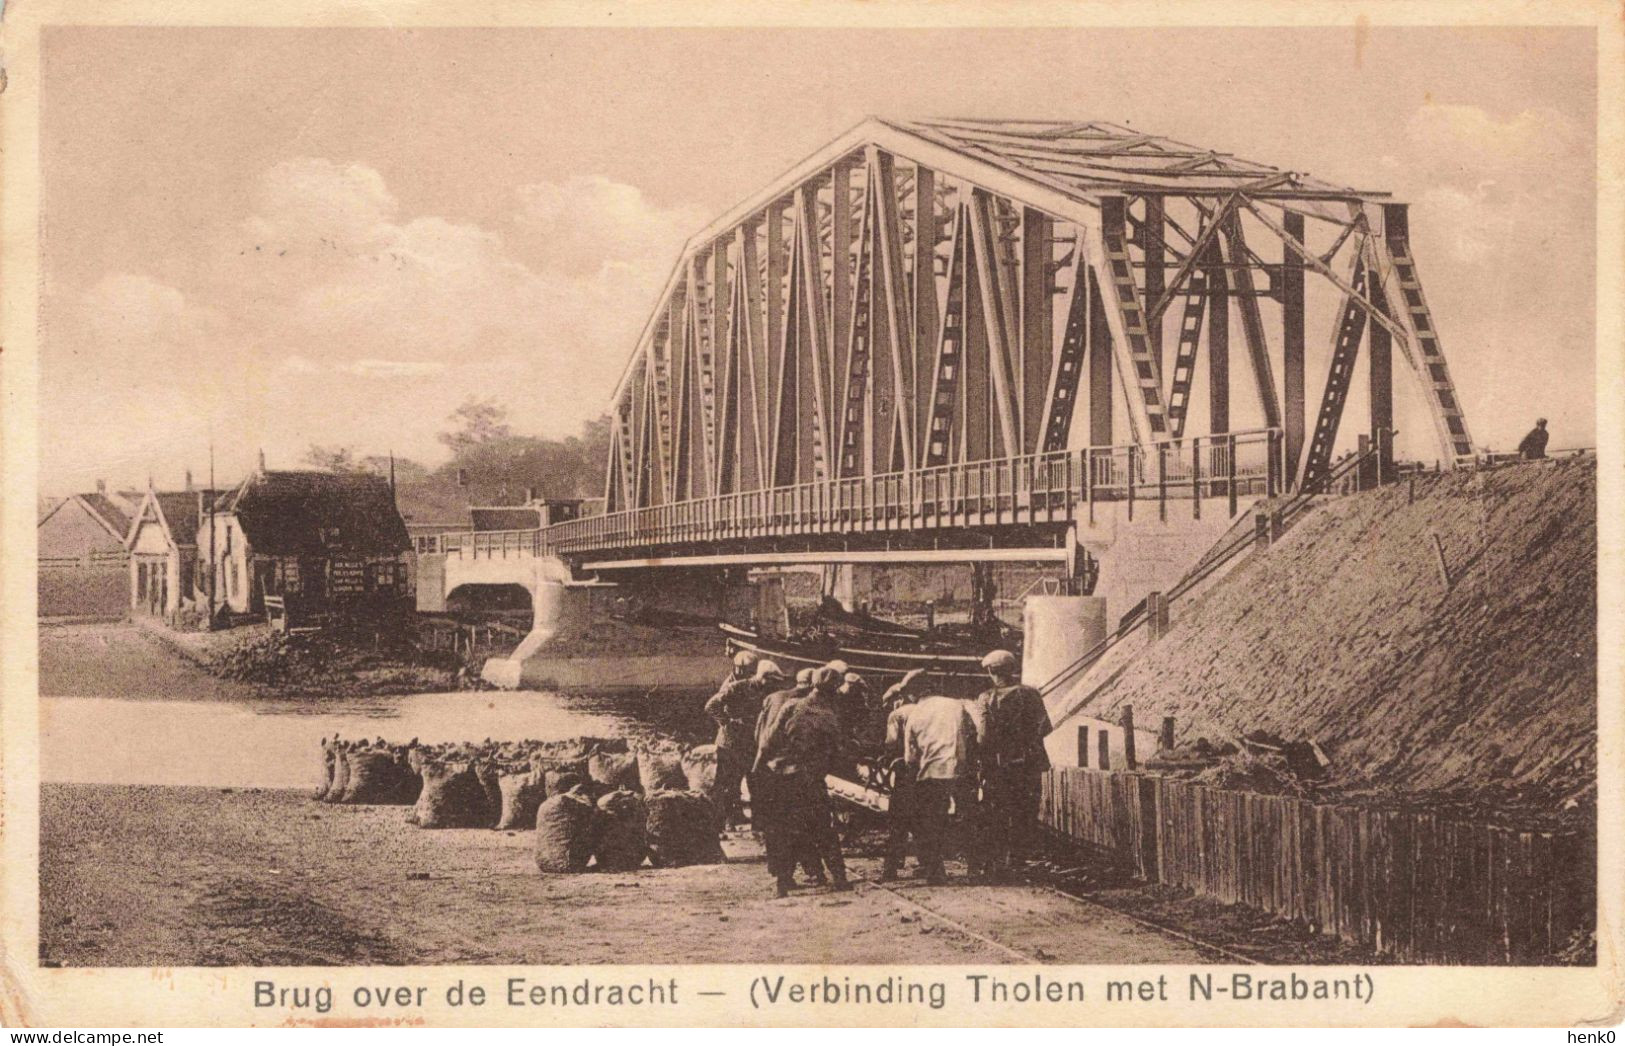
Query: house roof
506,517
106,511
177,514
310,513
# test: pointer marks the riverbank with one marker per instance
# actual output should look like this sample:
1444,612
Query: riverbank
163,876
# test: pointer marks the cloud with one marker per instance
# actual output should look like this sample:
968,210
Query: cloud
1475,138
1471,225
311,200
132,312
325,312
587,223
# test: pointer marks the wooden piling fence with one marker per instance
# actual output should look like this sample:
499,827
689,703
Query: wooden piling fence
1411,884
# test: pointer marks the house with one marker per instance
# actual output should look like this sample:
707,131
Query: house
82,556
534,513
162,543
320,541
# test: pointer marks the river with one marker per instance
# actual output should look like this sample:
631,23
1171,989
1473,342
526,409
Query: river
119,708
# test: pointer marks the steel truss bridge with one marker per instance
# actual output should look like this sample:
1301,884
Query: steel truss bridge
961,335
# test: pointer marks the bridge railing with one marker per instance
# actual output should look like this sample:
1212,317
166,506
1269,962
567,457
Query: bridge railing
1030,489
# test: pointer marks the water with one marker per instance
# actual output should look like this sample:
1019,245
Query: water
275,744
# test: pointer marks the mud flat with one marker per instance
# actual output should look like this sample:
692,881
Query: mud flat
165,876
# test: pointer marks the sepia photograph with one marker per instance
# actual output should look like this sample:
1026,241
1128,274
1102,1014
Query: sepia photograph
858,497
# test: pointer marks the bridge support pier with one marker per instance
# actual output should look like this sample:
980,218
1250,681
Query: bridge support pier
1056,631
559,611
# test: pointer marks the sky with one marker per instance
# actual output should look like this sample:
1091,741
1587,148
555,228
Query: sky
287,237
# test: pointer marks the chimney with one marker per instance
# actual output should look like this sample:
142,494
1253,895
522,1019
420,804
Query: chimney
262,461
188,480
101,486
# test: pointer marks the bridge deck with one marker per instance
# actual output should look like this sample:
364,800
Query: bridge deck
1008,494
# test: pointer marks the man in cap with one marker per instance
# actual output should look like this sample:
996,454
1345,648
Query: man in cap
783,851
896,703
801,744
939,757
1015,723
735,708
1533,446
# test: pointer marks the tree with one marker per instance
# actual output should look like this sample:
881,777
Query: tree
476,423
406,470
332,459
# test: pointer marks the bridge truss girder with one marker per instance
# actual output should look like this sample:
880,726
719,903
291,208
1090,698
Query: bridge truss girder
913,297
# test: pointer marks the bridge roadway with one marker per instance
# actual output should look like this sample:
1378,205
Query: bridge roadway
1020,508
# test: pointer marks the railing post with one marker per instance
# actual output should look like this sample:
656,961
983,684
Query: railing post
1130,481
1271,480
1089,482
1196,478
1162,482
1129,762
1230,473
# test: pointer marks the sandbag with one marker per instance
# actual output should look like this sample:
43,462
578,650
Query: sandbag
681,829
522,792
573,750
622,841
661,770
557,782
489,775
326,779
452,797
614,770
375,778
700,770
341,775
610,745
566,833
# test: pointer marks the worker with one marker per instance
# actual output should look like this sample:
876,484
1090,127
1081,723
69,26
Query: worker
1015,723
1533,446
735,708
898,700
801,744
852,699
743,667
783,852
939,756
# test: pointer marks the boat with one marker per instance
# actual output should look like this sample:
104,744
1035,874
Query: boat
952,664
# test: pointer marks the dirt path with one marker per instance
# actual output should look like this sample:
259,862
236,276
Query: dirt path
195,876
120,659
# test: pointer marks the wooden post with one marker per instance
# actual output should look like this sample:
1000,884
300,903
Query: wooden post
1128,737
1165,738
1083,746
1105,750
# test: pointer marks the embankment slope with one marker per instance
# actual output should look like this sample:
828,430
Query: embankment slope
1345,632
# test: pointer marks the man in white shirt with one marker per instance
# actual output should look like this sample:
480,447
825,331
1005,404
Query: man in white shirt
939,753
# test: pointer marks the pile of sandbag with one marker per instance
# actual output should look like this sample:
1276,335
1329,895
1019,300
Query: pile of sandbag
595,803
366,772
